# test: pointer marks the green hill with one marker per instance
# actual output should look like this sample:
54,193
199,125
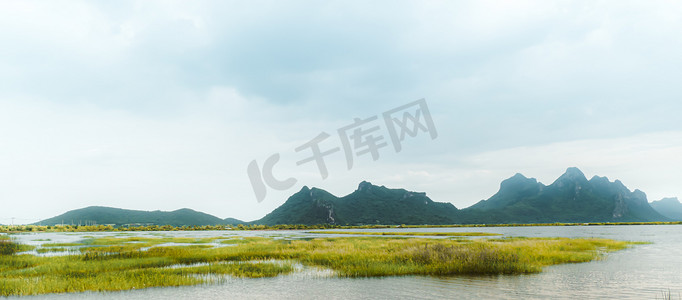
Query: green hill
571,198
669,207
118,217
369,204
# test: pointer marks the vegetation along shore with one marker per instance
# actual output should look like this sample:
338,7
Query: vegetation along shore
125,263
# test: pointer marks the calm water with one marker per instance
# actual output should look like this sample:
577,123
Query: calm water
643,272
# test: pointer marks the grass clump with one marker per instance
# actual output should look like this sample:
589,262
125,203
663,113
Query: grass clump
52,250
148,241
245,240
56,245
245,269
10,247
361,257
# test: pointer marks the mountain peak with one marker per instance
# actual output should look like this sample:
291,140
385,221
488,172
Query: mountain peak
669,207
364,185
620,185
600,179
671,200
574,172
572,175
517,180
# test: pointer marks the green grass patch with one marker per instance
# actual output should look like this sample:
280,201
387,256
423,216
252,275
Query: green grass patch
62,245
110,241
111,264
10,247
246,269
245,240
409,233
52,250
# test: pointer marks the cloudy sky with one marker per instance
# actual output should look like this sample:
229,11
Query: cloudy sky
163,104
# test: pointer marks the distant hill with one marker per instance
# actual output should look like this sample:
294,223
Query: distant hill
118,217
669,207
369,204
233,221
571,198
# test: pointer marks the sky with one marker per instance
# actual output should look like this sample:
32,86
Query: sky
162,105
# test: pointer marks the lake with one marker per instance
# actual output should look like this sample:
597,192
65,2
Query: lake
642,272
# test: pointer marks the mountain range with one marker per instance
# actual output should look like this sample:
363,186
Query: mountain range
571,198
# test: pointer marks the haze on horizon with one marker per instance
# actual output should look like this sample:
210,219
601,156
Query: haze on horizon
161,105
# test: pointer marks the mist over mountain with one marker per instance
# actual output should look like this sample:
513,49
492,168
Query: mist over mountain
669,207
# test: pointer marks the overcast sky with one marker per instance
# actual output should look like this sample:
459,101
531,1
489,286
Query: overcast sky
163,104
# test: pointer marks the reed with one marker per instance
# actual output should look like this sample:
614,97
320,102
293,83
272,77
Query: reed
10,247
52,250
408,233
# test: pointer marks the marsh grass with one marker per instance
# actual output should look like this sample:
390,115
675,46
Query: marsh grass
111,264
241,269
52,250
110,241
57,245
244,240
8,247
11,247
462,234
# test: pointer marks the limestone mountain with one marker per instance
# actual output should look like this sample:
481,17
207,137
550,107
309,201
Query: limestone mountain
669,207
369,204
571,198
